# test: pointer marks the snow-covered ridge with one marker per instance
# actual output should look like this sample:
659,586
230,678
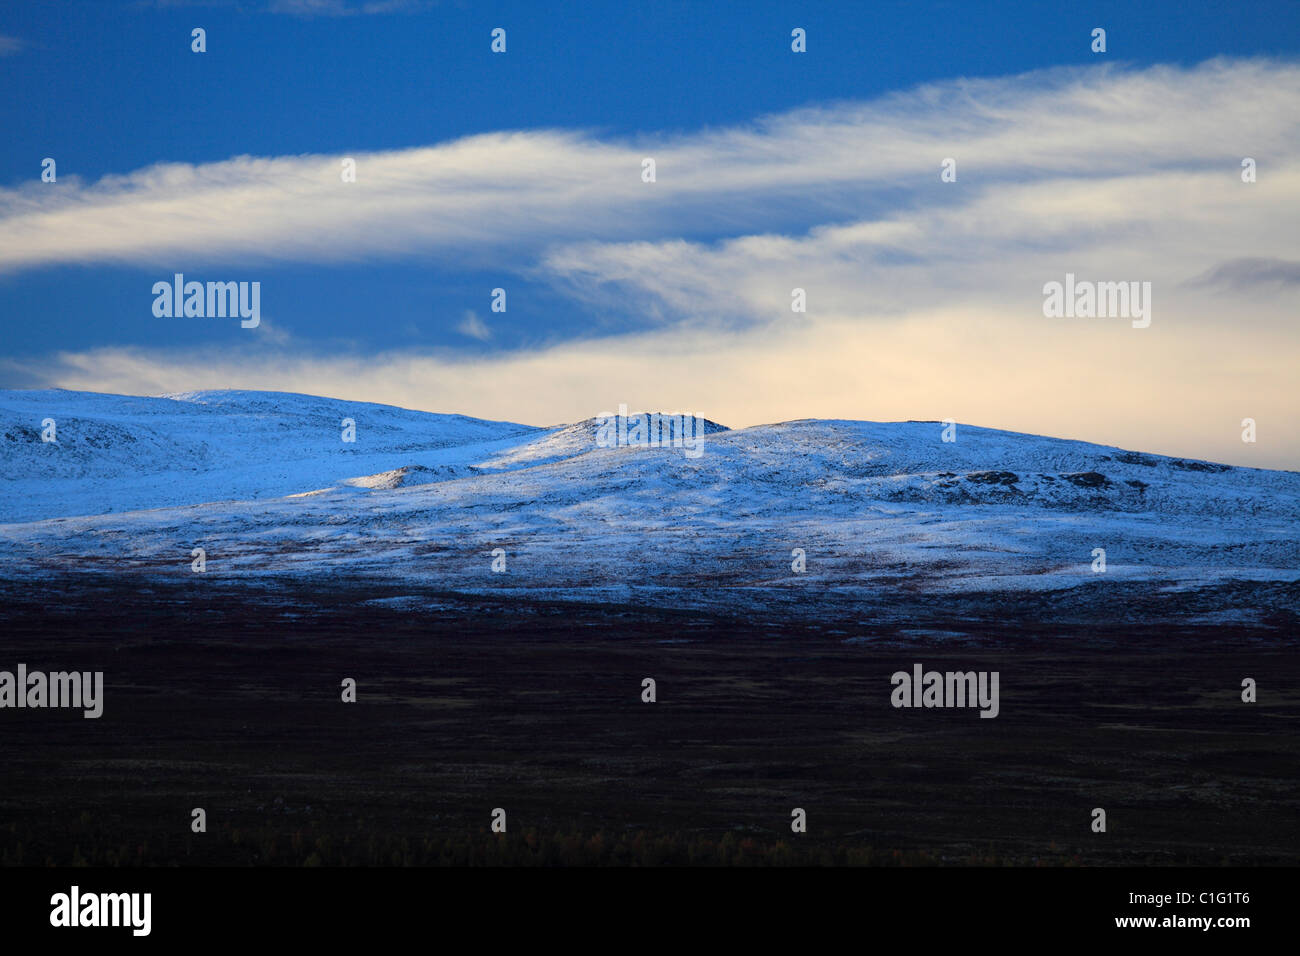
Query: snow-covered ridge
121,453
263,482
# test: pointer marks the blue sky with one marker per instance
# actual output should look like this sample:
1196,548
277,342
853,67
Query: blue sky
113,89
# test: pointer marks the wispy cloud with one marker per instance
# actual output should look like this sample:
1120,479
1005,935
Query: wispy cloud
1248,274
474,327
524,191
10,45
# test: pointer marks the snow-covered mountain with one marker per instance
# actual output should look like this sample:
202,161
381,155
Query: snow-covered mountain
264,483
121,453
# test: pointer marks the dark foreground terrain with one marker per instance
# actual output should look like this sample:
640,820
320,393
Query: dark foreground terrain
228,699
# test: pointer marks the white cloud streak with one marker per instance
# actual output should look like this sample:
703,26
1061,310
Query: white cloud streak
474,327
525,190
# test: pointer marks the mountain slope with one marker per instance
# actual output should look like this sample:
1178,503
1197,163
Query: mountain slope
120,453
878,509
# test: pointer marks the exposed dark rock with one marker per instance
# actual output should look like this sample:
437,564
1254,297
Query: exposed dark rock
993,477
1134,458
1088,479
1186,465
